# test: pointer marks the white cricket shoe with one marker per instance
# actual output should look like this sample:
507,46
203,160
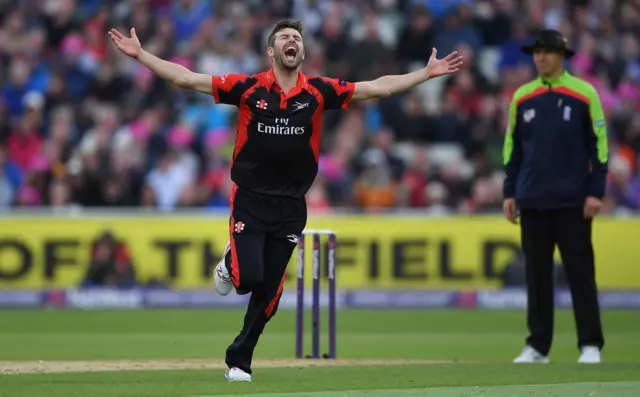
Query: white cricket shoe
221,278
530,355
237,375
590,355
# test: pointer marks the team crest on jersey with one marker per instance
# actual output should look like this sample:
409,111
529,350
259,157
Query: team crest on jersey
528,115
261,104
239,227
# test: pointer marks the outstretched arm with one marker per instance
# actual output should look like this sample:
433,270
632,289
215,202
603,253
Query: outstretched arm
176,74
393,84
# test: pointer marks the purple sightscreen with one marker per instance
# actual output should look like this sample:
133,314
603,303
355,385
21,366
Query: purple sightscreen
300,296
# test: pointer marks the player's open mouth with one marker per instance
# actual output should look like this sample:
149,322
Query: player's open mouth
290,53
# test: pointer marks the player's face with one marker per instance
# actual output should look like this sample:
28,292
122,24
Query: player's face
288,50
547,61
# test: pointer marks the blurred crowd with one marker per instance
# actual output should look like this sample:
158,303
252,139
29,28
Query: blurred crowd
83,125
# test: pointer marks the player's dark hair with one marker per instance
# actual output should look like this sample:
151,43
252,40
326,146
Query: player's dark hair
284,24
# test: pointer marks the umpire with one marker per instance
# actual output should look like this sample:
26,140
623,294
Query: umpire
555,155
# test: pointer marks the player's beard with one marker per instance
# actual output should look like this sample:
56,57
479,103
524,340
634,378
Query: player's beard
289,66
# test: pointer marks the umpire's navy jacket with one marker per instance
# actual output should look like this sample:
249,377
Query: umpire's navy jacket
555,149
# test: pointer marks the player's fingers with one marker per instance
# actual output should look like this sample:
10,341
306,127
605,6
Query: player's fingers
449,57
116,40
508,213
117,34
133,33
434,52
514,213
456,60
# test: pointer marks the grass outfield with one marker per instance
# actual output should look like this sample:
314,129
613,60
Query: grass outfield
476,345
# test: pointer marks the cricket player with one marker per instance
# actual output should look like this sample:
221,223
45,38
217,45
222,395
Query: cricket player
556,156
275,161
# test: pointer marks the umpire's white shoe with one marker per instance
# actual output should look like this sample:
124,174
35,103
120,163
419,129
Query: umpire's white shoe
237,375
530,355
221,278
590,355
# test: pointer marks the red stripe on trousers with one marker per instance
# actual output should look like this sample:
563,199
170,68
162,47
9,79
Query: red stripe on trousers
272,304
235,266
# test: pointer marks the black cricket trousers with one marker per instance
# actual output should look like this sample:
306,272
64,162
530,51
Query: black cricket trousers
541,230
264,231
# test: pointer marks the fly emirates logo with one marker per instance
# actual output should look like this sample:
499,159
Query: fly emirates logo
281,127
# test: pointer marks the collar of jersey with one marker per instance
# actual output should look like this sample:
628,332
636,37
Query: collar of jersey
300,85
555,81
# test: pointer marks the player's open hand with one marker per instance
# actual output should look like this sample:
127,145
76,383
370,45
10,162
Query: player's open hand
447,65
128,45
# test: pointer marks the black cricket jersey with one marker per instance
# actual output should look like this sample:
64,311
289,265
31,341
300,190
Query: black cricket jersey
278,138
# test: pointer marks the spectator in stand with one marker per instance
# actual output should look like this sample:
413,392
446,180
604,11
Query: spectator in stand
623,187
415,182
168,185
376,188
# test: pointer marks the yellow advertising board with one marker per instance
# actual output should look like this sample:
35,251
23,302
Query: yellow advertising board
373,251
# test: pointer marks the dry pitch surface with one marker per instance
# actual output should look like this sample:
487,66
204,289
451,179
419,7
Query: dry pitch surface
35,367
